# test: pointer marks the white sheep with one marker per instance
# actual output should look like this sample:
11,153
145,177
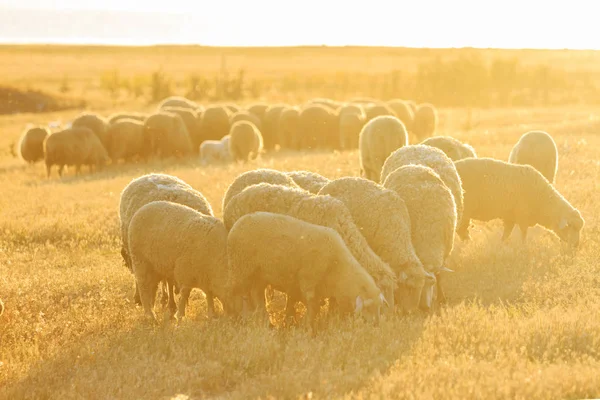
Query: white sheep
309,181
307,261
149,188
379,138
382,217
425,122
433,158
173,242
516,194
538,149
320,210
31,143
453,148
245,142
215,151
432,213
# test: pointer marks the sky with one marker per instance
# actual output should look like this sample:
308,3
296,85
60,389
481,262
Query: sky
414,23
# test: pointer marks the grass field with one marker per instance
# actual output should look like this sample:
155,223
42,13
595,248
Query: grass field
522,319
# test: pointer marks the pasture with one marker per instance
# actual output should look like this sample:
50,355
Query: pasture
521,321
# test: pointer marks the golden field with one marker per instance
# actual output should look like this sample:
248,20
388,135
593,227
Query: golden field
522,319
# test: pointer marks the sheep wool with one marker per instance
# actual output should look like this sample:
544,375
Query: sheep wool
271,125
245,142
214,123
177,101
288,128
538,149
191,121
403,112
173,242
425,122
125,139
309,181
319,127
245,116
516,194
113,118
452,147
378,139
31,144
165,135
215,151
94,122
352,118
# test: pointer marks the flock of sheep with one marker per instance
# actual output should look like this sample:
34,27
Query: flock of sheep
217,133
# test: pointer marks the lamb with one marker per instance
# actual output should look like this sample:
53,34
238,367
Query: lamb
125,139
271,125
245,116
155,187
214,123
31,144
403,112
170,241
245,142
431,157
215,151
452,147
94,122
177,101
74,146
307,261
352,118
538,149
381,216
309,181
425,122
288,129
378,139
321,210
432,213
261,175
319,127
165,135
516,194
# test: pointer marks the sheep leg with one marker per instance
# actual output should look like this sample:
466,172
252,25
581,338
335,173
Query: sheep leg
257,295
60,170
77,169
148,283
136,294
312,310
441,296
183,300
172,304
210,305
164,296
48,168
508,228
290,309
524,229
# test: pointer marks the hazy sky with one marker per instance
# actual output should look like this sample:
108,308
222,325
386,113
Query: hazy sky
415,23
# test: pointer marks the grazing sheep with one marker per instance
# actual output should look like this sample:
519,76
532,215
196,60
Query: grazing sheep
191,121
307,261
288,129
94,122
378,109
403,112
125,139
259,110
516,194
378,139
127,115
149,188
352,118
425,122
309,181
261,175
245,142
383,219
433,158
452,147
165,135
432,213
215,151
538,149
271,124
320,210
173,242
412,105
214,123
31,144
329,103
319,127
74,146
245,116
177,101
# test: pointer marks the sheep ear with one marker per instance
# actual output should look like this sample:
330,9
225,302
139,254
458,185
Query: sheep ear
445,269
359,304
383,300
563,224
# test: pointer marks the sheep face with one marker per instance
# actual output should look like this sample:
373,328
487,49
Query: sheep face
370,308
569,228
415,292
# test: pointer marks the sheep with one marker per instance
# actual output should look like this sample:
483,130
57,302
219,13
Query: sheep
288,128
538,149
191,120
177,101
412,105
319,127
378,139
245,116
214,123
309,181
94,122
378,109
165,135
113,118
431,157
307,261
351,120
215,151
453,148
258,109
433,216
173,242
516,194
31,144
403,112
232,107
154,187
320,210
270,125
425,122
74,146
125,139
261,175
383,219
245,142
329,103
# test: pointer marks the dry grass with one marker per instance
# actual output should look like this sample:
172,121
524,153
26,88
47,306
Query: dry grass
522,320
